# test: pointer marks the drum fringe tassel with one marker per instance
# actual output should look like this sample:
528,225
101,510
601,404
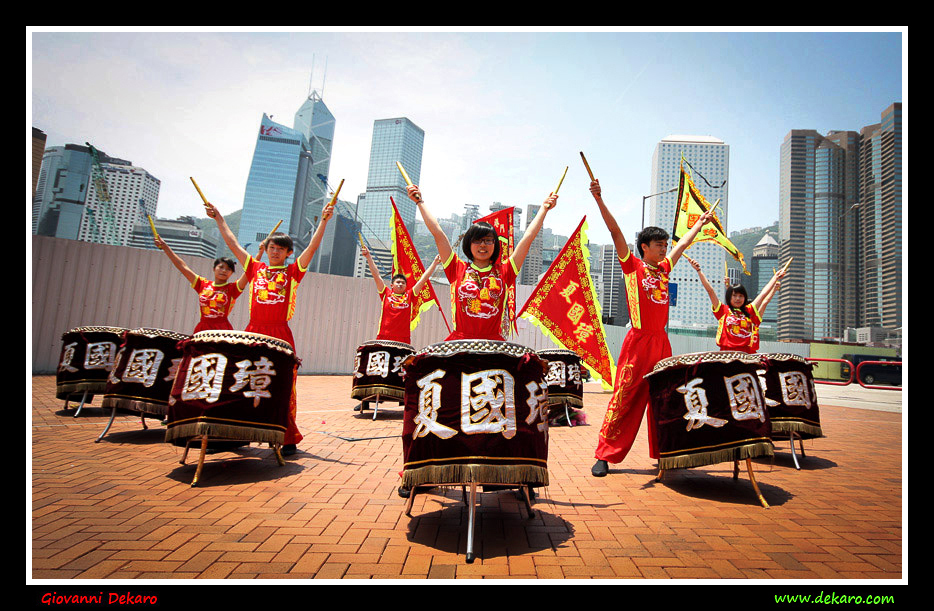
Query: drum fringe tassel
223,432
135,406
801,428
486,474
571,400
65,390
701,459
365,392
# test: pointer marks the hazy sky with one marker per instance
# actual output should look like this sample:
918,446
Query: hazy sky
503,111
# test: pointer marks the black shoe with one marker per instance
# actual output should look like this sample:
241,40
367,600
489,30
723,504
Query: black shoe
289,450
404,492
600,469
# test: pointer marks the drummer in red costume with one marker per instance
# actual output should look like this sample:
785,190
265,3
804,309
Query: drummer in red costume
273,291
396,316
478,288
739,318
216,297
646,343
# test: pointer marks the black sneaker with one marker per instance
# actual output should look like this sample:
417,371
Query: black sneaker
600,469
289,450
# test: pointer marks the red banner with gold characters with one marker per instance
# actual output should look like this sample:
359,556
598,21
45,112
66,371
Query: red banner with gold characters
405,260
502,223
565,307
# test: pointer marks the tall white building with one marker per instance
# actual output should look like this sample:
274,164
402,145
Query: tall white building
133,194
710,158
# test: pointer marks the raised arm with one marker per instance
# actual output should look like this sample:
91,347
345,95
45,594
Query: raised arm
380,285
425,276
768,292
686,240
441,240
305,258
714,300
521,250
229,238
176,260
619,239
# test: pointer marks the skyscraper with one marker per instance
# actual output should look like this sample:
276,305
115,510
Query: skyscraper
132,193
279,185
315,121
393,140
61,191
840,218
710,158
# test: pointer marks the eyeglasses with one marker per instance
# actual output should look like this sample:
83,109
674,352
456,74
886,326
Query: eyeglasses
485,241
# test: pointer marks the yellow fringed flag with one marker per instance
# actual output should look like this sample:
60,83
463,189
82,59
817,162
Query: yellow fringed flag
405,260
566,308
691,205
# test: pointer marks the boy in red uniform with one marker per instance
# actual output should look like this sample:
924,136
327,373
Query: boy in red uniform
739,321
273,291
478,288
215,298
646,343
395,319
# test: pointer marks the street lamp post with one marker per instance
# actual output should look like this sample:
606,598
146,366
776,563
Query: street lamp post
645,197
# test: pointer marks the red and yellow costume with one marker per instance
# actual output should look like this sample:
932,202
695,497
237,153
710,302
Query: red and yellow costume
738,328
478,297
272,304
215,302
396,316
645,344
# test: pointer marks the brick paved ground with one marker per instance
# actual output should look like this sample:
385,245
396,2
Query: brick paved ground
123,508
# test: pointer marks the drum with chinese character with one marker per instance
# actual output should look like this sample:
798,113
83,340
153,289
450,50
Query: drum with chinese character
88,355
144,371
709,408
564,377
378,370
790,396
476,411
232,385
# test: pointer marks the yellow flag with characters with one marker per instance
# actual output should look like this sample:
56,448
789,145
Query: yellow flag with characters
691,205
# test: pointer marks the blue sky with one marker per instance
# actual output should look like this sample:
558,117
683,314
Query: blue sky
504,111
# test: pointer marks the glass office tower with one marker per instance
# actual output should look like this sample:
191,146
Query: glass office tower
393,140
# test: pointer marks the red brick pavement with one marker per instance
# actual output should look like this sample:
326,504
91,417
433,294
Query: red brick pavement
123,508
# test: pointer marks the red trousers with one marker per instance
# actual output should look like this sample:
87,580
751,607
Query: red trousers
640,352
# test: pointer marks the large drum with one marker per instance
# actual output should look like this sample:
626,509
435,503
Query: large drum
232,385
144,371
564,377
88,355
790,396
378,370
709,408
476,411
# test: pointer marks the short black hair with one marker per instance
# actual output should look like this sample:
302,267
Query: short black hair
735,288
226,261
403,276
478,231
280,239
649,235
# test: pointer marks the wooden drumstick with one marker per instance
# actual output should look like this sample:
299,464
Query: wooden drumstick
555,192
406,178
587,165
153,227
203,198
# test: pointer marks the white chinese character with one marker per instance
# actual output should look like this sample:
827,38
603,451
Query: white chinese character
538,405
489,405
68,353
356,366
173,370
429,401
765,387
695,398
574,373
556,373
397,366
100,355
112,377
745,398
378,364
204,377
259,378
795,390
143,366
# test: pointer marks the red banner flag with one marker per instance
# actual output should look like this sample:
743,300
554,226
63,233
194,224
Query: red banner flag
405,260
566,308
502,223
